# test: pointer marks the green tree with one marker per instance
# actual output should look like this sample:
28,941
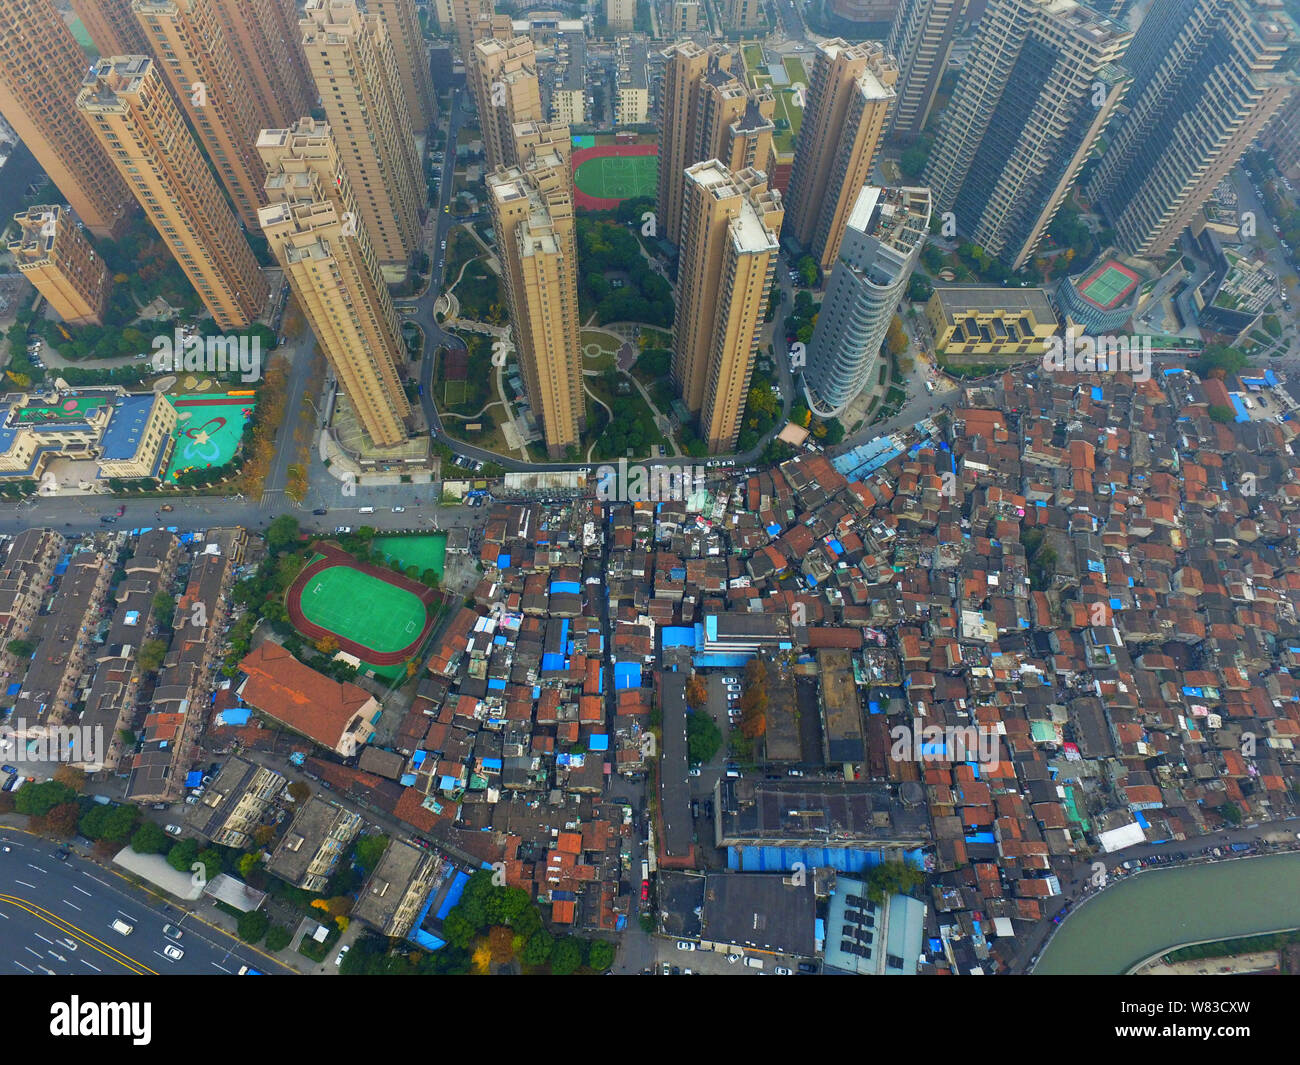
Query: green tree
247,863
369,849
806,267
282,533
702,737
211,860
278,937
893,878
566,956
537,951
457,930
152,653
183,855
600,955
252,926
150,839
164,608
21,648
39,799
1221,414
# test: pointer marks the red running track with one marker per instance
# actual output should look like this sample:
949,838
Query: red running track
581,155
336,556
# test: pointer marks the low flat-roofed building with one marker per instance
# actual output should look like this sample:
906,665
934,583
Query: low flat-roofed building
990,321
761,912
318,837
737,633
869,938
842,739
128,435
799,813
396,890
232,806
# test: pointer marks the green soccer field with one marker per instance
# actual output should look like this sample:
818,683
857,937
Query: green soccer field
364,609
618,177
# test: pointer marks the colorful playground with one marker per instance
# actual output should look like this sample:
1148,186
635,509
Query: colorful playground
372,613
605,175
208,430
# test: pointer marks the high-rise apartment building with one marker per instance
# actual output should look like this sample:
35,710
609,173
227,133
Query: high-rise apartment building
504,74
1042,80
466,15
41,69
884,236
111,26
849,96
742,14
686,16
532,213
1208,76
311,224
708,113
194,55
403,26
351,61
730,229
620,15
266,42
55,256
920,40
132,113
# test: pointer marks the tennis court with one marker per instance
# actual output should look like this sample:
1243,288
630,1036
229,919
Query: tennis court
618,177
1109,285
364,609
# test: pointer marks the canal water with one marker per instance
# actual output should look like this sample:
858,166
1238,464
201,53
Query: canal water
1157,910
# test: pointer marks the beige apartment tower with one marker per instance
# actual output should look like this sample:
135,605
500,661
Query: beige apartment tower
351,60
730,229
264,38
466,14
620,15
193,54
532,212
403,25
132,112
504,80
700,97
848,102
41,69
111,25
312,228
55,256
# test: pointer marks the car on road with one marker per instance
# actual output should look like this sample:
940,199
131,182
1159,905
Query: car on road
695,771
781,970
121,927
166,507
683,944
399,510
343,530
174,952
320,510
171,931
8,769
732,959
443,245
807,967
108,519
645,890
342,954
173,830
121,509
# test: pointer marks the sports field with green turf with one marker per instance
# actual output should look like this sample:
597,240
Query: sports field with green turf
611,177
423,552
364,609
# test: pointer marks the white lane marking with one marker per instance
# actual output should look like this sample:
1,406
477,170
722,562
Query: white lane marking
126,915
72,904
37,868
84,962
96,879
32,952
24,883
82,890
22,967
221,967
43,939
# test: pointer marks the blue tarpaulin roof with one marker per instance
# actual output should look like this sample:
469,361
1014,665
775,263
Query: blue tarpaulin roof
503,561
453,895
598,742
236,715
627,675
678,635
782,859
194,778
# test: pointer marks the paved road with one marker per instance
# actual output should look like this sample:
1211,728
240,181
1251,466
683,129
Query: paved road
56,916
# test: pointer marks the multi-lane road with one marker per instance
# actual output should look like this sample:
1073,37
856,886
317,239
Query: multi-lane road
57,914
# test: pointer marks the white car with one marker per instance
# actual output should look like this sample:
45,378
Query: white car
781,970
342,954
399,510
733,958
174,952
683,944
173,830
695,772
